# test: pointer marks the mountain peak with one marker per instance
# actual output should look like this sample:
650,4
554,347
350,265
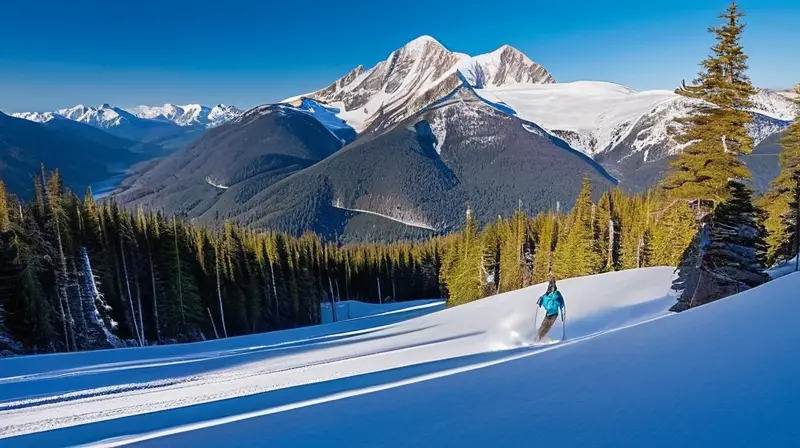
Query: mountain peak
421,41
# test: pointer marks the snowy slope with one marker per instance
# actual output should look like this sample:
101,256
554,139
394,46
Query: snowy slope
690,380
88,395
416,75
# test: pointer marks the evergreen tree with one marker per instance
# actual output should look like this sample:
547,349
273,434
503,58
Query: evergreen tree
577,252
673,232
716,132
727,255
545,245
607,232
464,275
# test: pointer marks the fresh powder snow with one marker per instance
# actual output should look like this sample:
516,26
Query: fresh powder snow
629,373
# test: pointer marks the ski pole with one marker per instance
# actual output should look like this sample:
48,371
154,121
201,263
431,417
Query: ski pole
563,328
535,318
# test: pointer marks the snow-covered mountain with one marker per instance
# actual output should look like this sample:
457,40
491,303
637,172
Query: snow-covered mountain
188,115
596,117
503,67
416,75
106,116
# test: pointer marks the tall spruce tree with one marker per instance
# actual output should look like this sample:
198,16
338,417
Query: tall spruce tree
727,255
716,132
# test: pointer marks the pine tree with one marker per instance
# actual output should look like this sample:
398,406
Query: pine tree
727,255
607,232
716,132
672,233
577,252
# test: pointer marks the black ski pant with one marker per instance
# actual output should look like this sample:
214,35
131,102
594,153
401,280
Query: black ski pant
547,324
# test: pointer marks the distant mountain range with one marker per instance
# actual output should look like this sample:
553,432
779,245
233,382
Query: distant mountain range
108,117
83,154
401,149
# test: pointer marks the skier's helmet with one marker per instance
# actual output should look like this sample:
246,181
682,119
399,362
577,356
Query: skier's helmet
552,285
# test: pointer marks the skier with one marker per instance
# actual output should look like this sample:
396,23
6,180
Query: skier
552,301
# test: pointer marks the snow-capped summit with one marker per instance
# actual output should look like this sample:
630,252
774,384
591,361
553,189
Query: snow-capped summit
505,66
187,115
103,116
416,75
39,117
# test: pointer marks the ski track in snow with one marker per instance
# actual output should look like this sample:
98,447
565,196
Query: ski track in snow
76,392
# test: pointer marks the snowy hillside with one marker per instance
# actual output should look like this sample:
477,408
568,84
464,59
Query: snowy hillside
416,75
85,394
458,377
596,117
188,115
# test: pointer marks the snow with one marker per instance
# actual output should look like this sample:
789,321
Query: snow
352,309
409,222
39,117
216,184
106,116
601,111
187,115
774,105
90,397
783,269
325,115
429,65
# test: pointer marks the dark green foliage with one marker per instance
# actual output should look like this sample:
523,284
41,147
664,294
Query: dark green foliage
727,255
78,275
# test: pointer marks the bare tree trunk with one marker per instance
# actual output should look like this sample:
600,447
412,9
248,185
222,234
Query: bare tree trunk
130,296
219,296
274,291
139,301
69,323
610,263
180,278
155,298
212,323
380,297
333,301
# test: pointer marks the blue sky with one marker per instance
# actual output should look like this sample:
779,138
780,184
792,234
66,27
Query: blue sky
57,53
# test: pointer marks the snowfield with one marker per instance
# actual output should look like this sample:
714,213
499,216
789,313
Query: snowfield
629,374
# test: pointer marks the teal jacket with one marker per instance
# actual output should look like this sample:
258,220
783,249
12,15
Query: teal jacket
552,302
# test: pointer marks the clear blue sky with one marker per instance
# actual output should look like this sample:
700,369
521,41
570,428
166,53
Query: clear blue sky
58,53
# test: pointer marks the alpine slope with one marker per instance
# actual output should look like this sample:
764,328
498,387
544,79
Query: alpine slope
628,373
